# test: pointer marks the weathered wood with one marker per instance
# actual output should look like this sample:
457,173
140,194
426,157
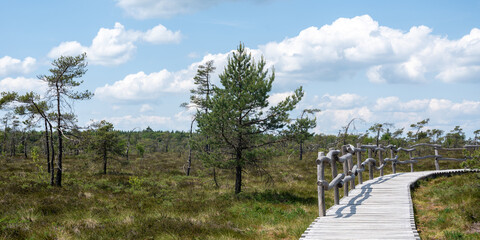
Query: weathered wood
380,158
427,156
321,190
453,159
345,170
437,166
426,144
334,159
394,163
380,208
370,166
353,170
359,160
411,158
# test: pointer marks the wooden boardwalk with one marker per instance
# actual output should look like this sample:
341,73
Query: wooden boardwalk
380,208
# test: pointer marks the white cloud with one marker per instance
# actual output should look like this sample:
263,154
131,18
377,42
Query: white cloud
350,46
117,45
343,101
146,108
9,65
443,114
276,98
160,34
142,86
330,121
22,84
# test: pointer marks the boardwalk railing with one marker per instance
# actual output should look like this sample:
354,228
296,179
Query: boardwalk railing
350,171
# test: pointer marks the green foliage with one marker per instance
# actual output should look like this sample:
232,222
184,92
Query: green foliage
418,135
135,182
40,173
61,83
151,198
106,141
447,207
240,113
473,159
301,127
378,128
140,150
201,95
455,138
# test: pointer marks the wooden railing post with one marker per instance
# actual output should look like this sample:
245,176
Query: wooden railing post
359,161
437,165
380,158
350,167
411,164
394,164
370,165
345,171
321,190
336,194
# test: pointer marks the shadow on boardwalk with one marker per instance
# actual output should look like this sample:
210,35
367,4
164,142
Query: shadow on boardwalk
362,196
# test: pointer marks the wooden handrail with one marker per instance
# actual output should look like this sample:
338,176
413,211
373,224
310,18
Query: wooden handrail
347,178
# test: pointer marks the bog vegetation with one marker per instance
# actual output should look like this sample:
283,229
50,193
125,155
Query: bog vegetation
246,171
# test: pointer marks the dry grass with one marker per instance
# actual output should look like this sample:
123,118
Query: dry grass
151,198
448,207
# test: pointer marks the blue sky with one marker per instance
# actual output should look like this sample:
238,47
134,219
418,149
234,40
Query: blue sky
382,61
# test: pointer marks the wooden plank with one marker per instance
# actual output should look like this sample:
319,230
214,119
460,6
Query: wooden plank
379,208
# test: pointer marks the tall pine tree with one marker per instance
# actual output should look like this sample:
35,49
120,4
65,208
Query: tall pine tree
240,114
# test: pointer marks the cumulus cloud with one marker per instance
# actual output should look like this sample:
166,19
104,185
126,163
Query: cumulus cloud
22,84
443,113
343,101
350,46
276,98
146,108
142,86
117,45
9,65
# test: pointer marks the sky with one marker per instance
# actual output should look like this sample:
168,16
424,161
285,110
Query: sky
379,61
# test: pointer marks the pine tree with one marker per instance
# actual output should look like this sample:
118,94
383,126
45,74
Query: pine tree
106,141
240,114
60,90
299,129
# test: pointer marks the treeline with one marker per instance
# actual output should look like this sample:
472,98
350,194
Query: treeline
18,140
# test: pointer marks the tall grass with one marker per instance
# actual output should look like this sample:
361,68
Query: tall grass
151,198
448,207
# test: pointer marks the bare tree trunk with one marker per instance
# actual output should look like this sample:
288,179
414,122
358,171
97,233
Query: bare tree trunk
25,147
189,164
58,181
238,174
104,158
12,146
238,179
52,173
47,147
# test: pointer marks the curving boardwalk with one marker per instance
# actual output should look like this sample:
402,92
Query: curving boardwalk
380,208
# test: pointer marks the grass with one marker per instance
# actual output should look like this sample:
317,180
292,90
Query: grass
151,198
448,207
